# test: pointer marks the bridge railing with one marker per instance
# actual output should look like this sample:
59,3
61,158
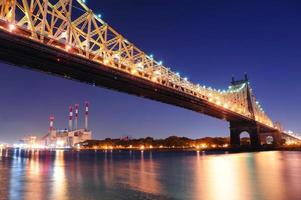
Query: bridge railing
293,135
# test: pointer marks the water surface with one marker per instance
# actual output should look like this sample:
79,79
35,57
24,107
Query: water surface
64,175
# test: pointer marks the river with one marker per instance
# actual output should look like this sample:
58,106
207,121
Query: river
113,175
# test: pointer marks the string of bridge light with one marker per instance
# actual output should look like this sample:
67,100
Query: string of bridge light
291,133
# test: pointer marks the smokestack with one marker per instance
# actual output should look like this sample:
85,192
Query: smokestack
51,123
86,115
70,118
76,117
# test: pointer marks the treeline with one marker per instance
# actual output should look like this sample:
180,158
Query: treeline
170,142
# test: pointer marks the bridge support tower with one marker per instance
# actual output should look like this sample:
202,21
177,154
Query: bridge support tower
236,128
257,135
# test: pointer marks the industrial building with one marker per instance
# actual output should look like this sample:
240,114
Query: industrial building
68,138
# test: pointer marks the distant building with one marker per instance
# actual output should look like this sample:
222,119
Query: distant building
67,138
29,140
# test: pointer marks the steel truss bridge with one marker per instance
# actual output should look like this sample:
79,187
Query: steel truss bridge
66,38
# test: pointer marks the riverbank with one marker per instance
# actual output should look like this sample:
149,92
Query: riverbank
181,149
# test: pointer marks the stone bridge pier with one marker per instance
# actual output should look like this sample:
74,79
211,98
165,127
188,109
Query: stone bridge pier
258,136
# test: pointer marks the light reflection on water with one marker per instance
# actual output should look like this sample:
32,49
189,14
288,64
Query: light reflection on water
149,175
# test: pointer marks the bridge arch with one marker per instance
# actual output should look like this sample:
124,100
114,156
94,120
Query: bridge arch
238,130
245,138
269,140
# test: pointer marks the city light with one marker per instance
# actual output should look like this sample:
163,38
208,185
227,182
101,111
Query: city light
64,35
116,56
157,73
68,47
60,144
139,66
11,27
3,146
29,146
133,71
106,61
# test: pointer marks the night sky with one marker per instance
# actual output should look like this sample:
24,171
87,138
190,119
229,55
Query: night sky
207,41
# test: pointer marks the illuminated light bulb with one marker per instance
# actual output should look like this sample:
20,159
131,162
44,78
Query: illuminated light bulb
226,106
160,62
140,66
133,71
68,47
64,34
117,56
11,27
99,16
218,103
9,14
157,73
106,61
210,99
154,79
60,143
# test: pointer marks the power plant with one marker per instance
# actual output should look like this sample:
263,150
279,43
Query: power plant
68,138
64,138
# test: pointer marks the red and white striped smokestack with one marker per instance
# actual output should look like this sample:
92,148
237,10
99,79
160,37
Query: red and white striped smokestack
51,123
70,117
76,117
86,115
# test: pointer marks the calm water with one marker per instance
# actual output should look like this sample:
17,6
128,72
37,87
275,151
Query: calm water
34,175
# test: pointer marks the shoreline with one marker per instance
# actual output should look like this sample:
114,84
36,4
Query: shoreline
213,150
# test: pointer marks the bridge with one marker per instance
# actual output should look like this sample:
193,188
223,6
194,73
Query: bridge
66,38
